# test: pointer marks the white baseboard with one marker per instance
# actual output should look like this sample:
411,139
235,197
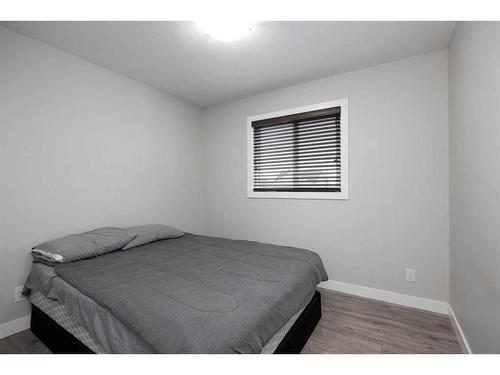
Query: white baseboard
462,340
387,296
15,326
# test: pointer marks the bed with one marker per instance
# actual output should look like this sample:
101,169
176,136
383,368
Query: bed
192,294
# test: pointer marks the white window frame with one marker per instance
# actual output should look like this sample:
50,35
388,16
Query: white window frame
344,153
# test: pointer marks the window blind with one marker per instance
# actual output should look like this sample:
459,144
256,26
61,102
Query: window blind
298,152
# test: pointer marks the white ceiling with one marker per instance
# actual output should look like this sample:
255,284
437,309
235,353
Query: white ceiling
176,58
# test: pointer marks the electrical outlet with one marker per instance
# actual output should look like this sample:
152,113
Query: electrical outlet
18,294
411,275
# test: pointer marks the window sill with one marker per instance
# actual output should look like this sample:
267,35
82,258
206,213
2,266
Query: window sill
297,195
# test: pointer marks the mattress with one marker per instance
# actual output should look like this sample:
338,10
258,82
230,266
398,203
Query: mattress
200,294
101,338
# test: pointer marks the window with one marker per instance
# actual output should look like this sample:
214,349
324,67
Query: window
299,153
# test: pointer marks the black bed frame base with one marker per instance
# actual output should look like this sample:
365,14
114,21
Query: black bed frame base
60,341
55,337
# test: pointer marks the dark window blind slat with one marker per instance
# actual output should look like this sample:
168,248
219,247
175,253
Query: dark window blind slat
294,143
280,177
297,189
294,131
299,152
311,150
299,167
302,146
292,127
288,163
299,124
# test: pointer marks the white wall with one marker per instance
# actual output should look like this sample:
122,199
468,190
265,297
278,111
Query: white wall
475,179
397,215
82,147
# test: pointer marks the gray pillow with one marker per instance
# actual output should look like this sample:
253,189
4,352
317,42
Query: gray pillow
84,245
151,233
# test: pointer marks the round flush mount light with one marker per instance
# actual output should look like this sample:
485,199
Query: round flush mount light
226,31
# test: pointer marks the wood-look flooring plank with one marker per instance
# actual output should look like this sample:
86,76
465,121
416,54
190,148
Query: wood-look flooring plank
24,342
352,324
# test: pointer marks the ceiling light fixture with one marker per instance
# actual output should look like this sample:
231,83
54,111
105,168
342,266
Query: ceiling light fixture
226,31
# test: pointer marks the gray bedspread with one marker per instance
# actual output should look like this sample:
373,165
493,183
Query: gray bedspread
198,294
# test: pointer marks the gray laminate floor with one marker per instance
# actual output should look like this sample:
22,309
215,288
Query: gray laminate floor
353,324
349,325
23,342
